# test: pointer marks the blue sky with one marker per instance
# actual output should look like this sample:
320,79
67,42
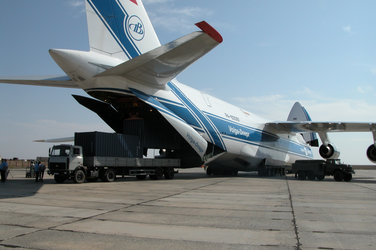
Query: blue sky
321,53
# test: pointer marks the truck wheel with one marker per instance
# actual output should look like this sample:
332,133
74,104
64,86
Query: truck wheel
79,176
169,173
338,175
109,175
59,178
158,174
347,177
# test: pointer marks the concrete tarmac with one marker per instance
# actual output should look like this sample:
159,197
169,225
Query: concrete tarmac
193,211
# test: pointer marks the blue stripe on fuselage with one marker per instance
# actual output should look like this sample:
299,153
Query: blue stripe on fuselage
234,131
183,113
206,124
230,130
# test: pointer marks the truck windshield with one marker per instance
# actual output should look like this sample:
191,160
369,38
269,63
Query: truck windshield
60,151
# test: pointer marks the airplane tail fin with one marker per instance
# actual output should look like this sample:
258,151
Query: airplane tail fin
299,113
120,28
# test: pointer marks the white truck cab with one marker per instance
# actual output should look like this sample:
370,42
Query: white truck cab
65,159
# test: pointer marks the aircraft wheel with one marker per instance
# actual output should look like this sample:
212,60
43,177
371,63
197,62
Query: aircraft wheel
347,177
338,175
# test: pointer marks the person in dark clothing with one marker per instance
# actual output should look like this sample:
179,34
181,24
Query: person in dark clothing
3,170
36,170
42,168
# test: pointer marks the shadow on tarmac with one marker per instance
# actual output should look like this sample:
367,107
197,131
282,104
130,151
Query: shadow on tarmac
14,188
22,187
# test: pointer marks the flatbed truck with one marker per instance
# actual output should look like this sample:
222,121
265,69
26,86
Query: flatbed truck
318,169
104,160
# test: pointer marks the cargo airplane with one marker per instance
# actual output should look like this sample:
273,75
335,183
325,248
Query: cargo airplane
132,79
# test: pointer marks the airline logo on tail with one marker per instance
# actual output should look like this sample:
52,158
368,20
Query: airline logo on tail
135,28
134,1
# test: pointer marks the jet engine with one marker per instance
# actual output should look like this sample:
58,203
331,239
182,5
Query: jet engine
328,151
371,153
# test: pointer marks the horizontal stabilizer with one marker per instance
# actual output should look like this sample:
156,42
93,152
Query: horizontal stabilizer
197,142
57,81
160,65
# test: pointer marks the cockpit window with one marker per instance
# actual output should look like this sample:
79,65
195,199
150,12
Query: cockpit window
60,151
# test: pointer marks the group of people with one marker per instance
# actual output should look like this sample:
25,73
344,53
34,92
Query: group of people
4,170
39,169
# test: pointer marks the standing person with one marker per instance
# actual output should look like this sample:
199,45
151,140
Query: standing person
42,168
36,170
3,170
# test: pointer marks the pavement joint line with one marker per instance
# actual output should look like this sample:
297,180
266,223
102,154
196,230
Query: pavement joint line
359,185
52,205
114,210
52,228
132,205
222,209
21,235
15,247
296,230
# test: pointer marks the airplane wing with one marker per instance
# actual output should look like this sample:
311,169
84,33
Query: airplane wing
326,150
160,65
319,127
65,139
55,81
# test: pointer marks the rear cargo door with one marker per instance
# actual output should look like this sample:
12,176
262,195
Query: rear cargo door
197,142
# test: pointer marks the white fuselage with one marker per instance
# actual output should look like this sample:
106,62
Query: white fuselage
238,132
